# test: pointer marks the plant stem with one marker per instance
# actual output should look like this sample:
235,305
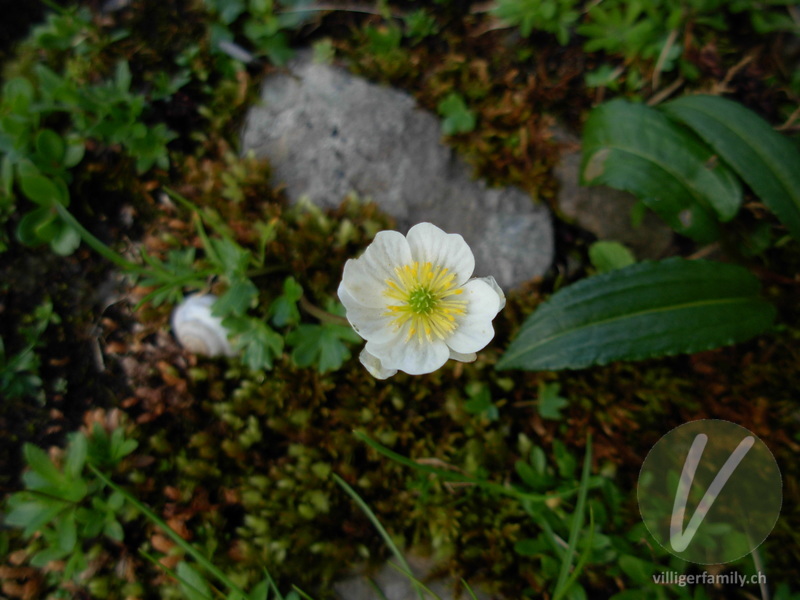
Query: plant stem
98,246
171,533
322,315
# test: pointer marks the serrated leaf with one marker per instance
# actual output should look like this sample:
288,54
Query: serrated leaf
256,340
284,308
322,345
236,300
638,149
550,403
767,161
193,585
646,310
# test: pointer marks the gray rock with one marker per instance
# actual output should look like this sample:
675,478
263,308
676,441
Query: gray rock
327,133
604,211
396,586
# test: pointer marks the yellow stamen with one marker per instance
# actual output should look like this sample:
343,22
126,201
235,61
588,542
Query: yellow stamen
424,300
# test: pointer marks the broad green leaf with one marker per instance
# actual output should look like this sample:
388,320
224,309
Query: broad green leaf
646,310
193,585
607,256
638,149
767,161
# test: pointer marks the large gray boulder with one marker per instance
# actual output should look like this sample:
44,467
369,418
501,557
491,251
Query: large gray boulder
327,133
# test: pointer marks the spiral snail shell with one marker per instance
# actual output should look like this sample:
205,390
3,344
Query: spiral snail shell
198,330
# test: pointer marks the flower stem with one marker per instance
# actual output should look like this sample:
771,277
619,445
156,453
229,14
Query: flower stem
323,315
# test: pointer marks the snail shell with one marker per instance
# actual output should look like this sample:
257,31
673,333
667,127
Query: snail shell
198,330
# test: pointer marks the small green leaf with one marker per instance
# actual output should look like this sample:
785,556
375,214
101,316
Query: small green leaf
41,559
76,456
41,464
638,149
32,513
67,531
66,239
114,530
50,146
284,308
74,153
645,310
607,256
40,189
193,585
260,591
458,118
550,403
767,161
38,226
122,77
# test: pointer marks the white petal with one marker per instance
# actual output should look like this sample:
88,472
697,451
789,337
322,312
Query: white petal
370,323
475,329
365,277
431,244
412,357
493,284
463,357
374,366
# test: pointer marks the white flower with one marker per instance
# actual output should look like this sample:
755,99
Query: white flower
412,299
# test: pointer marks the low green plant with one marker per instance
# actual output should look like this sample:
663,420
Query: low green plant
66,508
552,16
39,152
19,372
265,24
